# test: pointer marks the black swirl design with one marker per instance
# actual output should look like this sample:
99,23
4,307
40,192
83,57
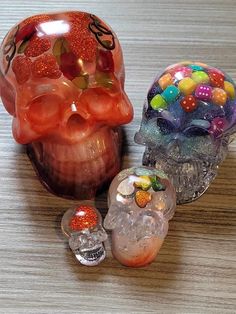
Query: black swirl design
99,31
9,49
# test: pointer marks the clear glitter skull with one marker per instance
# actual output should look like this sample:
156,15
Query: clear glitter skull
83,226
62,80
141,202
188,121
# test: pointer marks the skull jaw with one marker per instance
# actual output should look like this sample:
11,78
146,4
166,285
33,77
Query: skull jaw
135,253
92,256
81,170
190,178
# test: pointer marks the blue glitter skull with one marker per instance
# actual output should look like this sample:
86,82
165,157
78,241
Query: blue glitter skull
188,121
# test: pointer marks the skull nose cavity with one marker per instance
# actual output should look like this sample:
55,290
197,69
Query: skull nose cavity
174,146
76,124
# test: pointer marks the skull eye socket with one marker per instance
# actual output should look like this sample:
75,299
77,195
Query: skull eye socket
165,126
44,112
195,131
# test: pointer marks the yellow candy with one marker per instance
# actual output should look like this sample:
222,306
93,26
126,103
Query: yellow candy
200,77
165,81
143,182
219,96
187,86
230,90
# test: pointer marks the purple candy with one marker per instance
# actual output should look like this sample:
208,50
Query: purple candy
203,92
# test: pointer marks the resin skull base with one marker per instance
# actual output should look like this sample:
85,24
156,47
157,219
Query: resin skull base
188,119
91,175
62,80
83,227
141,202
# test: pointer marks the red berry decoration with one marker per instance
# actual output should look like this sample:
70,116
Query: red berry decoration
26,32
69,65
85,217
81,43
37,46
46,66
216,78
188,103
21,67
105,61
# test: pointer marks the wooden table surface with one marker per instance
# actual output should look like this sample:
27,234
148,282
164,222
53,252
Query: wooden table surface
195,271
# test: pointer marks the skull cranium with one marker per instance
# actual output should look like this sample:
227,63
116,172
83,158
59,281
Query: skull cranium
62,80
188,119
83,226
141,201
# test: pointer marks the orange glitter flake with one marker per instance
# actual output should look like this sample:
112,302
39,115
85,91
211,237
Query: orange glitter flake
21,67
84,218
46,66
37,46
142,198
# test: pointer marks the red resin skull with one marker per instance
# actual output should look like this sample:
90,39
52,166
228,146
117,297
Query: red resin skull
62,80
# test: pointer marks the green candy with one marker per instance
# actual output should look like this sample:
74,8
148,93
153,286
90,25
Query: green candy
158,102
157,185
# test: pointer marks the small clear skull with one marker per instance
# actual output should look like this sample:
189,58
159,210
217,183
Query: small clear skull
189,119
62,79
83,227
141,202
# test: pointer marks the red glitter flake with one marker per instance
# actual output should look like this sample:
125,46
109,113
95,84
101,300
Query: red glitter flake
36,19
81,42
21,67
46,66
80,18
84,47
84,218
37,46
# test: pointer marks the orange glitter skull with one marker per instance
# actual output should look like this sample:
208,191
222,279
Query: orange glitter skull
62,80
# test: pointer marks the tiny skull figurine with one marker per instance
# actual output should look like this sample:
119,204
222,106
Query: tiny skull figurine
83,227
62,79
189,118
141,202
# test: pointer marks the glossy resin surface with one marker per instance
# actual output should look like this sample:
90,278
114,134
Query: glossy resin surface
189,118
62,80
141,202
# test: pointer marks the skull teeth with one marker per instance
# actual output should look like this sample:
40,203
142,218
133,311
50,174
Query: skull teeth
78,170
92,255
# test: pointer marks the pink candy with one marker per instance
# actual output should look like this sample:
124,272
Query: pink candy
203,92
180,72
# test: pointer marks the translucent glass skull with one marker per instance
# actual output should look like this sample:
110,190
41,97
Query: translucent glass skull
188,121
141,202
83,226
62,80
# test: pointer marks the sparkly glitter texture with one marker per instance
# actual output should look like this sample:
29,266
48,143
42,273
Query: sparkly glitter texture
67,104
183,137
142,198
84,218
36,19
21,67
37,46
81,43
80,39
46,66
